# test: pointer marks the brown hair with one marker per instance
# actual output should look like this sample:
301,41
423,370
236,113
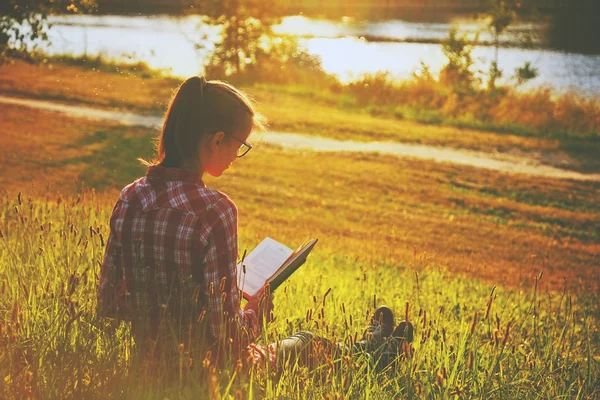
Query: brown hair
199,108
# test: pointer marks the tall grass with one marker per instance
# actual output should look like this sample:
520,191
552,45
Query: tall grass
537,112
472,340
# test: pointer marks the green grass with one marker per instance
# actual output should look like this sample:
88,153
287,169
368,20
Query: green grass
513,344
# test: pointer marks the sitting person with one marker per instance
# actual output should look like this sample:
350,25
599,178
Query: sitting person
170,260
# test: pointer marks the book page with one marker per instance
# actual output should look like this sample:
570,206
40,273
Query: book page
261,264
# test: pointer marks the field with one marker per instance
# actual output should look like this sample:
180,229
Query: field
430,240
290,108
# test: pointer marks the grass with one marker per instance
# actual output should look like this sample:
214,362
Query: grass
422,207
430,240
469,343
311,110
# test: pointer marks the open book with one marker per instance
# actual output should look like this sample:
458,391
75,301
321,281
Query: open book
270,262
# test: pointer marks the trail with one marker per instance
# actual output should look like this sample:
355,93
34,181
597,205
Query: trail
478,159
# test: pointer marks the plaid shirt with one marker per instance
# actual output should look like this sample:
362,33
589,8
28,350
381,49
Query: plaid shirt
173,245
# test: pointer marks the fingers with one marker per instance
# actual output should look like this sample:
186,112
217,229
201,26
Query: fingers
262,303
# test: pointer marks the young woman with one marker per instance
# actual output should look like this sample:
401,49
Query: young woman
170,260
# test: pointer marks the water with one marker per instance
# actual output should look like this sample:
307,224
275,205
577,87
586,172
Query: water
497,162
169,43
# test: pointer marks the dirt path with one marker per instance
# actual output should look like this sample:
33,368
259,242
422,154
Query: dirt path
498,162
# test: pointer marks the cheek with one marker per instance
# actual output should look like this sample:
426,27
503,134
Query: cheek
219,163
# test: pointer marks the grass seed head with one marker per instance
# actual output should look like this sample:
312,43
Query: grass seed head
506,334
471,360
439,379
474,323
15,312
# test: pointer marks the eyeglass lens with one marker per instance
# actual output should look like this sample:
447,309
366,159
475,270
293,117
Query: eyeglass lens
243,150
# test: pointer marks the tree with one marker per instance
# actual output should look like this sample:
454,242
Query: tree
24,23
457,72
244,26
525,73
501,15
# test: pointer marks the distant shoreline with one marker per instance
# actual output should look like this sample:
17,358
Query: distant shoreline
486,43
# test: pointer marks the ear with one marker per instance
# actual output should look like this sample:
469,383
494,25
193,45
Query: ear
217,140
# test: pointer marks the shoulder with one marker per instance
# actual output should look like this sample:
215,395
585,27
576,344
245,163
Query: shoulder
213,201
130,192
187,197
195,198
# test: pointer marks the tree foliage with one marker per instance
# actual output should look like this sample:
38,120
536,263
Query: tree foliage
501,14
244,25
24,23
525,73
457,72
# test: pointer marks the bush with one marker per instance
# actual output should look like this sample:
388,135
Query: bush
280,60
375,88
539,112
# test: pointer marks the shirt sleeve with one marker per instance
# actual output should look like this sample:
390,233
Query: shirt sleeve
226,318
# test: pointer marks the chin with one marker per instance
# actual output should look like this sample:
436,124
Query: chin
216,174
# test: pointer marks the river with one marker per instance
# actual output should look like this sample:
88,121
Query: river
168,42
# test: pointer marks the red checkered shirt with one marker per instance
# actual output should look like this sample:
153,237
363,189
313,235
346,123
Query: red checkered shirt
170,234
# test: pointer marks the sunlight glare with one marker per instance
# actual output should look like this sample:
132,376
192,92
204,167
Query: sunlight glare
302,26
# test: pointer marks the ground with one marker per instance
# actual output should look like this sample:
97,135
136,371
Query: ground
429,239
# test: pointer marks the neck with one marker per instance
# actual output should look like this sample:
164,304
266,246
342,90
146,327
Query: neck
194,167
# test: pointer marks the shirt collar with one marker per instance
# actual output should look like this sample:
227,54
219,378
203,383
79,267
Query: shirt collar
174,174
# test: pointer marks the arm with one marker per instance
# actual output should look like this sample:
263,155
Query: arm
226,318
111,289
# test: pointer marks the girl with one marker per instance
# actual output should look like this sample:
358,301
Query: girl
170,260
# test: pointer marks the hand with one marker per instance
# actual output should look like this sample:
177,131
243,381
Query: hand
261,303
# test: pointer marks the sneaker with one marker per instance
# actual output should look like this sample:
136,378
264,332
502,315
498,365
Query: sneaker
397,346
404,331
380,328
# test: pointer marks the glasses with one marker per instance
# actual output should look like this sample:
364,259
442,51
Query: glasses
244,148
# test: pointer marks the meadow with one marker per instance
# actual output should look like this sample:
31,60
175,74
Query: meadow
323,108
498,273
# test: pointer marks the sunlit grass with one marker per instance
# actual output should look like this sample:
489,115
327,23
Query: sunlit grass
390,206
309,109
511,344
437,237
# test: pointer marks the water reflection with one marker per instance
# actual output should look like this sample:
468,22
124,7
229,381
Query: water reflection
396,29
